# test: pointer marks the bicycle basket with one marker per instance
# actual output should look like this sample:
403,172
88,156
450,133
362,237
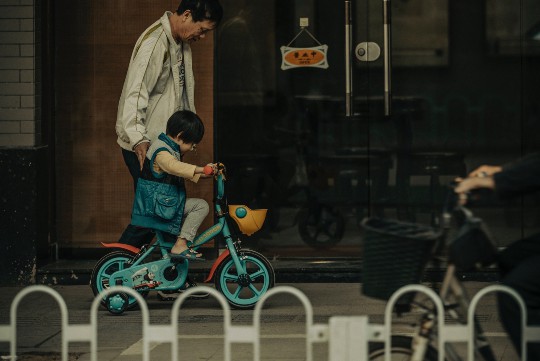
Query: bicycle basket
395,254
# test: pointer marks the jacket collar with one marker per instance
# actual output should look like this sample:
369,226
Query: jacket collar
165,22
164,138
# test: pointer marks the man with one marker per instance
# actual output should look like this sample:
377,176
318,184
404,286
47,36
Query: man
159,81
518,263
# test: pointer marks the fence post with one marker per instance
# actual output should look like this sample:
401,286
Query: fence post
348,338
472,309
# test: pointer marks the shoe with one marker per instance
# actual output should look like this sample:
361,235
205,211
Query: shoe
189,254
197,295
173,295
168,295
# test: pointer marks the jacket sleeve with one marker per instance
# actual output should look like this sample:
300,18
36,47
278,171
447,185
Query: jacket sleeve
169,164
519,177
143,74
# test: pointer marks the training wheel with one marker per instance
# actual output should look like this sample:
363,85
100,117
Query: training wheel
117,303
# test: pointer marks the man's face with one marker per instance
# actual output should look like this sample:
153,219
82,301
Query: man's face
191,31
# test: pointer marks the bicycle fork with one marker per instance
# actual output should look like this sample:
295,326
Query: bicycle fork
236,254
426,328
422,338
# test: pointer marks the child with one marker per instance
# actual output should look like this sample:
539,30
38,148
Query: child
160,198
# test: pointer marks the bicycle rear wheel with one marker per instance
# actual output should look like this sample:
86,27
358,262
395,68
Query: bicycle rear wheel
105,267
321,226
401,350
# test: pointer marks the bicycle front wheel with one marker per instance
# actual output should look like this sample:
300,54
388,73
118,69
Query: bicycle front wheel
401,350
243,291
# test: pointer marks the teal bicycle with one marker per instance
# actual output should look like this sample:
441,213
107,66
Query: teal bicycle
242,276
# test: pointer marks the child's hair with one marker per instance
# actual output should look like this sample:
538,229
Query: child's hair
187,123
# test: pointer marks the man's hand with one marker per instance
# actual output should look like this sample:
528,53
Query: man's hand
466,185
485,171
140,151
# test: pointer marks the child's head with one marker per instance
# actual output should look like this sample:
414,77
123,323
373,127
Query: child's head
186,126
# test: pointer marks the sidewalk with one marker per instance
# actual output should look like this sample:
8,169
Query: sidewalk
294,270
201,324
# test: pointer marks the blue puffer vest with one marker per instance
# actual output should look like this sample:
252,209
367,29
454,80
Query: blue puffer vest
160,197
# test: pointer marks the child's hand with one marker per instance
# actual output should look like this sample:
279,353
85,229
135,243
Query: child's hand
210,169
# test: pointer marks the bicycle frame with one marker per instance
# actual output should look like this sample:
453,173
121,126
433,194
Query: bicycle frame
221,227
242,276
450,287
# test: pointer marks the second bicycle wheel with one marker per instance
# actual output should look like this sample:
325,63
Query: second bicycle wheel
243,291
401,350
321,226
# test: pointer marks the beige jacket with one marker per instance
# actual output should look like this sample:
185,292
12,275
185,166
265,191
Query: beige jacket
152,88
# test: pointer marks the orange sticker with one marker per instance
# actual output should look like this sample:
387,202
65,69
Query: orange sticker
304,57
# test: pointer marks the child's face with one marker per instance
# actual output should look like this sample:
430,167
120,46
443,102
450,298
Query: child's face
184,147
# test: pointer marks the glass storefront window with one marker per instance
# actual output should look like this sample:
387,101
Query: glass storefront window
291,149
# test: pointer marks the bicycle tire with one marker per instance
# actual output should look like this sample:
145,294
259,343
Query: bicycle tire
107,265
262,278
321,227
401,350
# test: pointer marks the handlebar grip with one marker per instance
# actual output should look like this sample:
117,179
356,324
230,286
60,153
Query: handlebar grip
208,170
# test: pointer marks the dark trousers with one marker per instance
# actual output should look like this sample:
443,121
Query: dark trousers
134,235
520,269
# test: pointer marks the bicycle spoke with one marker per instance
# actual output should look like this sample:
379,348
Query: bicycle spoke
105,275
238,290
254,290
254,275
327,232
230,277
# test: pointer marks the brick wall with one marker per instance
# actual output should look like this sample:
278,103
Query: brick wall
18,121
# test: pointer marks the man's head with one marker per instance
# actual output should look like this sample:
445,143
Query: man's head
196,18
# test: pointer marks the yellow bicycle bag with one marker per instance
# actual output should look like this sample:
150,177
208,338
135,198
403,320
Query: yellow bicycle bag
249,220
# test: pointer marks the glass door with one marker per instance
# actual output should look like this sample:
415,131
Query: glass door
283,132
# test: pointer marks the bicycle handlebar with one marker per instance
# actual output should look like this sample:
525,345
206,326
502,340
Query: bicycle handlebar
208,170
452,204
220,178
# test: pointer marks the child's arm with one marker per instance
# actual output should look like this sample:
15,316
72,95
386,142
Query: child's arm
166,162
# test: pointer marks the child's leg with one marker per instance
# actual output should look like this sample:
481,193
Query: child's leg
195,212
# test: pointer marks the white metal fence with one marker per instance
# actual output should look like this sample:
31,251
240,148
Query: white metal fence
347,337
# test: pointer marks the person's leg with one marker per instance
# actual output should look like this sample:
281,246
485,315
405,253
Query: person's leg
133,235
518,251
133,166
525,279
173,295
195,212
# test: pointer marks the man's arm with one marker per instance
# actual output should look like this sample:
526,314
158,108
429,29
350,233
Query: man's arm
510,180
521,176
142,76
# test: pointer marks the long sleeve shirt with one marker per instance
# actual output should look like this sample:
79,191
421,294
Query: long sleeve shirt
519,177
166,162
